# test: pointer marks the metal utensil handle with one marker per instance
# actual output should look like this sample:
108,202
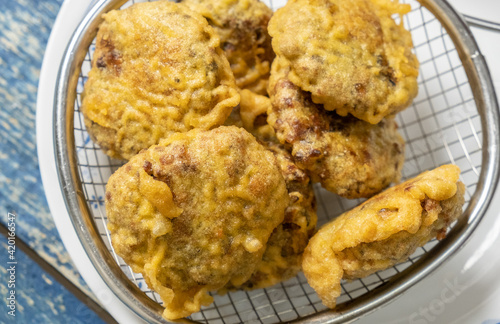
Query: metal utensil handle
482,23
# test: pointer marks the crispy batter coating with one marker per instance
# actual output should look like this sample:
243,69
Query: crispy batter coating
350,157
283,256
195,212
251,114
157,69
350,54
242,28
383,231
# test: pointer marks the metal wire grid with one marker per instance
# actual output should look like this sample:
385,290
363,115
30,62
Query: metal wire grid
442,126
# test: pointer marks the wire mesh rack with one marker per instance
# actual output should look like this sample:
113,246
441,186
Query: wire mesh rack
442,126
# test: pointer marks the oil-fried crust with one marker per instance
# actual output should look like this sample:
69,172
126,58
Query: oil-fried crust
251,114
383,231
242,28
195,213
157,69
283,256
350,157
349,54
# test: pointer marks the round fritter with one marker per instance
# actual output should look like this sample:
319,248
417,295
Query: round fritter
383,231
242,28
195,212
251,114
350,157
157,69
283,256
349,54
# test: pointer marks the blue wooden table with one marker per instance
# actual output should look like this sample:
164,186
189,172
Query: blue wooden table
47,289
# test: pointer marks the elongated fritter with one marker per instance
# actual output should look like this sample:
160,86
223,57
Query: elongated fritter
195,212
157,69
383,231
242,28
350,157
349,54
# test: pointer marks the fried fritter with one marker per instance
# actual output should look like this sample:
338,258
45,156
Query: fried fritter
195,213
283,256
350,157
349,54
242,28
383,231
157,69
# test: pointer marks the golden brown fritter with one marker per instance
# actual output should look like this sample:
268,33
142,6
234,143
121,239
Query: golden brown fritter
383,231
349,54
157,69
195,212
251,114
242,28
283,256
350,157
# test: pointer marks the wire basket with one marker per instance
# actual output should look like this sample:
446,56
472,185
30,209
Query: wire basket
452,120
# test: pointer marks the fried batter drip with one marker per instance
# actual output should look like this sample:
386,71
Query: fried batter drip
383,231
349,54
242,28
350,157
195,213
251,114
157,69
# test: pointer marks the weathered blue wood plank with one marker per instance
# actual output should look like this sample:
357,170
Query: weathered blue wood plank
24,30
38,297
